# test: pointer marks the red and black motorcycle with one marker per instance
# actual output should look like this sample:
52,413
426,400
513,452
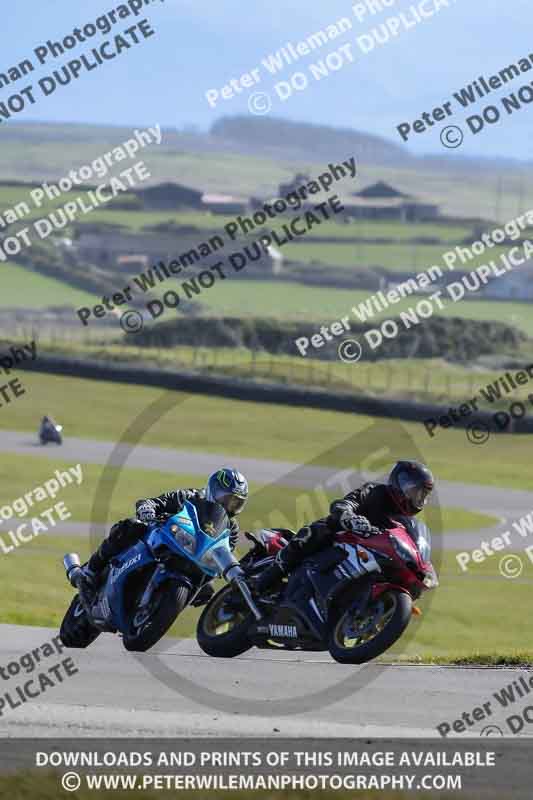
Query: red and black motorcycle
354,598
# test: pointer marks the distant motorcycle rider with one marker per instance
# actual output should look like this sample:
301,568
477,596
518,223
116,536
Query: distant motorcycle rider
366,511
226,486
48,428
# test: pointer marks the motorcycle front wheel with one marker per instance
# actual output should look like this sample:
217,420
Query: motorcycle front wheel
149,625
222,629
359,636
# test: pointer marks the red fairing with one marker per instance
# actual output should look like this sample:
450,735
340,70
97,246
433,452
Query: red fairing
381,588
398,575
273,542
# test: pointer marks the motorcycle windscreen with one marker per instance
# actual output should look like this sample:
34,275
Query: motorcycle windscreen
419,533
212,518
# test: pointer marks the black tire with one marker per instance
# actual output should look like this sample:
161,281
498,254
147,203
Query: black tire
76,630
168,603
400,615
224,645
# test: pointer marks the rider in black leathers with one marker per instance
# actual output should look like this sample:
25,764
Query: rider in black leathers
226,486
365,511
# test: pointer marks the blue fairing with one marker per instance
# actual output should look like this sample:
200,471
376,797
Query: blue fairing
130,561
180,534
189,527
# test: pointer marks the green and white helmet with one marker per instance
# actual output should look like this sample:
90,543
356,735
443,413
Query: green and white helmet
228,487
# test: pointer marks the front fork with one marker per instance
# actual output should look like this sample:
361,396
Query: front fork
233,572
243,588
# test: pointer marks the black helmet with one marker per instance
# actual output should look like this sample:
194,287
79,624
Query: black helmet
228,487
410,484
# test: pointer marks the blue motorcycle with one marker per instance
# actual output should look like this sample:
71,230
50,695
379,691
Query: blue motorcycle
148,585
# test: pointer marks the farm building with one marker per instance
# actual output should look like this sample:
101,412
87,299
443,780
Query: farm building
224,204
382,201
169,197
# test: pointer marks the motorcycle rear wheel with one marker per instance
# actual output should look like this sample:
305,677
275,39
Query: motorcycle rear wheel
76,630
378,627
210,635
166,605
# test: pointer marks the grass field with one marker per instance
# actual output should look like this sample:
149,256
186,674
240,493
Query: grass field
280,300
23,288
432,380
103,410
295,301
413,258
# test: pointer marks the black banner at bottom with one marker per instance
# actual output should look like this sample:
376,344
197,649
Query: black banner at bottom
489,767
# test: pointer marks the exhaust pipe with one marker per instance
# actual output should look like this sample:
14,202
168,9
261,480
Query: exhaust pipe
72,565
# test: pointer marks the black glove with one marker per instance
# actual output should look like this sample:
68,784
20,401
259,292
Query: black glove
356,523
182,496
146,512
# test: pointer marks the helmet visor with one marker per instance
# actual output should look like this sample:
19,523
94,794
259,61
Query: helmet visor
232,503
414,492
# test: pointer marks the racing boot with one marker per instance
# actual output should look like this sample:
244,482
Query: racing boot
92,571
121,535
89,584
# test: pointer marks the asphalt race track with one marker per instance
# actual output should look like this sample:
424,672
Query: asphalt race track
180,691
116,694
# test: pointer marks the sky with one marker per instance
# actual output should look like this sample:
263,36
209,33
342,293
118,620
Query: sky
201,45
